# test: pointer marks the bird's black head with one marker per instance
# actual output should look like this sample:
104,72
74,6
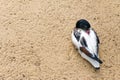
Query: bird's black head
83,24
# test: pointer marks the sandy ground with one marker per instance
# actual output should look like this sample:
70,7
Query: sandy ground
35,39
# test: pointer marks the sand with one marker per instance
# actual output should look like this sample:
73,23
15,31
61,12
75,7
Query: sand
35,39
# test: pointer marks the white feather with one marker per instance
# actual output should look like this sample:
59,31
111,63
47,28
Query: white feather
91,41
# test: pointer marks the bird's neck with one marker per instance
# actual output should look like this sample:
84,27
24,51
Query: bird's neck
87,31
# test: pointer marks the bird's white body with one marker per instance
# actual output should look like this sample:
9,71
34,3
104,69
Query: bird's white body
92,44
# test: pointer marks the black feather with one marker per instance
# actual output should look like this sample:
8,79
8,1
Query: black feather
83,42
97,59
77,35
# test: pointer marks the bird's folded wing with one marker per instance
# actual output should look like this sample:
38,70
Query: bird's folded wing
84,50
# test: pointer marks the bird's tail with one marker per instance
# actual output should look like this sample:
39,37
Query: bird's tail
98,60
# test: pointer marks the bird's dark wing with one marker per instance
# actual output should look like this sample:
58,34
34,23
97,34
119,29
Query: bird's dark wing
83,42
84,50
84,46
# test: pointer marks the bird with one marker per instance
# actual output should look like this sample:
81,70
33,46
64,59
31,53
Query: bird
87,42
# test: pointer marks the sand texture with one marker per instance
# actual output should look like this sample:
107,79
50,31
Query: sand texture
35,39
